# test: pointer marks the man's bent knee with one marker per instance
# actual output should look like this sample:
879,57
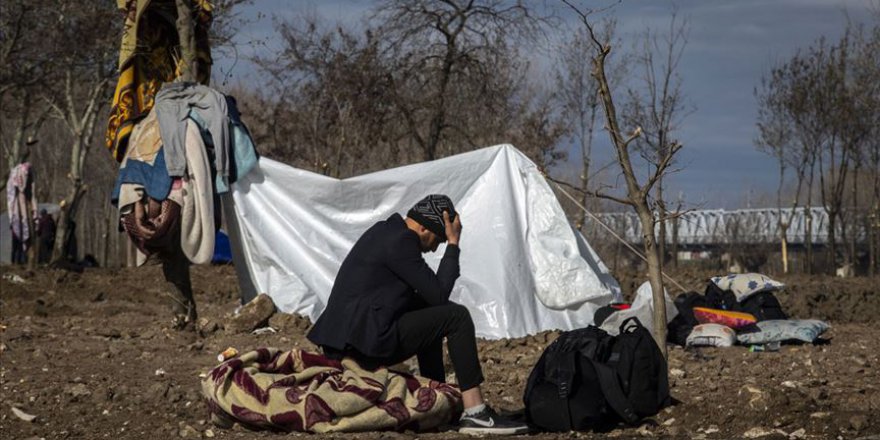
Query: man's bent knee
462,317
459,311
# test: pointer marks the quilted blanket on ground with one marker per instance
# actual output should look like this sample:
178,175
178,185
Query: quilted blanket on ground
300,391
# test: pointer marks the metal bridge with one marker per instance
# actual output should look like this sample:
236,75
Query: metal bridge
741,226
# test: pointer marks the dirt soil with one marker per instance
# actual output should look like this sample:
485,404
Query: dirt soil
92,356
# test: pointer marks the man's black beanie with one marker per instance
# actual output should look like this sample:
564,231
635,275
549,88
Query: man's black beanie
429,213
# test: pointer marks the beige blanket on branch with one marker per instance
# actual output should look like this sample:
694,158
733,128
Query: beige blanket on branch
300,391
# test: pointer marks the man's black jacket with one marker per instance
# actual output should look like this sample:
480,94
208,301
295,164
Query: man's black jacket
382,277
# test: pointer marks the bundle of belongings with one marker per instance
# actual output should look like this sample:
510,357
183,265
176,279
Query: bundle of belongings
299,391
180,158
738,308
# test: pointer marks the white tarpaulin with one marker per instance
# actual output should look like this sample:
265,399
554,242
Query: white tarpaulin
642,308
524,269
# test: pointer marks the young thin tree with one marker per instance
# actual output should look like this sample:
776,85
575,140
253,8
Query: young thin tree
866,70
806,102
854,121
85,54
637,193
776,138
578,96
836,156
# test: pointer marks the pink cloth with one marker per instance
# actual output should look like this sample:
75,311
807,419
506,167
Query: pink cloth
17,200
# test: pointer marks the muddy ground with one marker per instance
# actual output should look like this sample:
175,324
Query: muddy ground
92,356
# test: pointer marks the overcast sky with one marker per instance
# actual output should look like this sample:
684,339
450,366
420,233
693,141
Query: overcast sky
731,44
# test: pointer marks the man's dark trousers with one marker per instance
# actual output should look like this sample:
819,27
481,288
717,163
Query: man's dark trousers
421,334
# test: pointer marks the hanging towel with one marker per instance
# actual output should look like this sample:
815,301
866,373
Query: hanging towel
197,216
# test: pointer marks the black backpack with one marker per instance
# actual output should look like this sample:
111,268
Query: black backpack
588,379
683,323
718,298
764,306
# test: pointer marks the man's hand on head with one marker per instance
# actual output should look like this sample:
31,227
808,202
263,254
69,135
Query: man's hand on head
453,229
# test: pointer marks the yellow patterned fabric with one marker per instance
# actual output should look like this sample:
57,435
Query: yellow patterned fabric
148,58
146,141
300,391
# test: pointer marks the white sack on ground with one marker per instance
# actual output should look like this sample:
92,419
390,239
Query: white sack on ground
642,308
524,269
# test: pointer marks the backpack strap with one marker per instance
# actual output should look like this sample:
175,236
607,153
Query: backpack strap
630,324
565,372
613,393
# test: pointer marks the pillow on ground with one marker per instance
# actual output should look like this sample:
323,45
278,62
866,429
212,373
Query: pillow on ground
746,284
734,320
779,330
711,335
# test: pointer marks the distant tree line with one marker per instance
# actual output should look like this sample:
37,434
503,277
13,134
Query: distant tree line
422,80
819,118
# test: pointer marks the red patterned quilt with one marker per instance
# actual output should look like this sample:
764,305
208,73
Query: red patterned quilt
300,391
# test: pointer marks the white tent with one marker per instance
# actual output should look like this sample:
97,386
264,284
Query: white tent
524,269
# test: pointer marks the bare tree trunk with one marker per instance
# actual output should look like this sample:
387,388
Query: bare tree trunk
674,250
106,231
637,196
832,241
64,234
784,251
852,221
655,276
86,229
872,241
186,31
783,226
675,230
586,142
438,120
81,123
130,254
874,212
808,224
617,248
176,268
808,239
661,218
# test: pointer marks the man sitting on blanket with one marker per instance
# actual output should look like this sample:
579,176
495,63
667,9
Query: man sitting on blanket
387,305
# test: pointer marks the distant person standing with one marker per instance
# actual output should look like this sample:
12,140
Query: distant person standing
46,236
19,198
